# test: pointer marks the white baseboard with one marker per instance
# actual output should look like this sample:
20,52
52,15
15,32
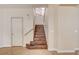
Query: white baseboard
52,49
76,49
4,46
60,51
24,46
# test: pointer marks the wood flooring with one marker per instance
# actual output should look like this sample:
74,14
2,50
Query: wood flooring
25,51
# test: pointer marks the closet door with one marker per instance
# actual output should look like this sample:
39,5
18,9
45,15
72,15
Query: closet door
17,35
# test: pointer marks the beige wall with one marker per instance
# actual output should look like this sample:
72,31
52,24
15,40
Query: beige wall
39,20
67,19
5,24
63,28
51,12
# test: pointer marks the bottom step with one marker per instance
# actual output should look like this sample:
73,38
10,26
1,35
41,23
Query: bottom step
36,46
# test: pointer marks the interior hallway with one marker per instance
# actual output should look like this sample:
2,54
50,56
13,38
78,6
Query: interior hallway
24,51
17,28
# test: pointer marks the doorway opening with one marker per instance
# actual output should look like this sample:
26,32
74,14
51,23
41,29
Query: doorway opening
39,11
39,14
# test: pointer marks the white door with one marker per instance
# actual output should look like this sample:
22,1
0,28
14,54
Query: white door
17,33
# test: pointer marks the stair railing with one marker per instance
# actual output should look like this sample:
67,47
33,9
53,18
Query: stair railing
31,29
28,32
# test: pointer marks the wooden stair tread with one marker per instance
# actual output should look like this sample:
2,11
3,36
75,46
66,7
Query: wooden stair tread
37,47
39,41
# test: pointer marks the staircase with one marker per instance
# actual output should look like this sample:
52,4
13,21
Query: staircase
39,41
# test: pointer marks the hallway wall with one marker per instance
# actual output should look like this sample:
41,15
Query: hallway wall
63,28
39,20
5,24
61,24
51,12
67,27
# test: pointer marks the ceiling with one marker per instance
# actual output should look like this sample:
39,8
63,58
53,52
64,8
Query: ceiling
15,5
31,5
39,5
68,4
22,5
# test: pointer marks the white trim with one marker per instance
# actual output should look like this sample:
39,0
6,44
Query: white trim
3,46
24,45
52,49
76,49
59,51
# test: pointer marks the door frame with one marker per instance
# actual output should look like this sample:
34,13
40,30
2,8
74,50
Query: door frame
12,29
